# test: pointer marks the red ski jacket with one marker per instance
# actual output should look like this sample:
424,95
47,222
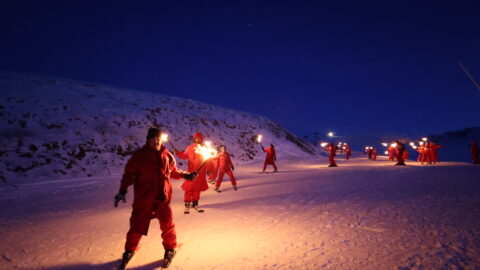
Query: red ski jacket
149,171
271,155
195,160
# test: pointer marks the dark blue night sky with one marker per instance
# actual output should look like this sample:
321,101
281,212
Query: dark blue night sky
354,67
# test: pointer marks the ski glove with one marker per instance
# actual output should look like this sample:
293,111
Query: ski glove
190,176
120,197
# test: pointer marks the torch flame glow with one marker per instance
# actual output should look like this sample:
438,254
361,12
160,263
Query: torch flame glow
323,144
385,144
208,144
386,152
424,139
164,137
259,138
412,143
421,143
206,151
394,145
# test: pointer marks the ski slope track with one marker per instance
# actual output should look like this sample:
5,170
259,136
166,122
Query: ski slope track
361,215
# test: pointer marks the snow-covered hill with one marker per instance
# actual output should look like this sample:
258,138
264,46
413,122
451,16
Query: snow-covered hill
56,128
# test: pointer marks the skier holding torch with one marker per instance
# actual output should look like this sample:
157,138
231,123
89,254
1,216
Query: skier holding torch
196,162
270,157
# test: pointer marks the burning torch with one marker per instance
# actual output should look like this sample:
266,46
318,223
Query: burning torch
207,152
259,139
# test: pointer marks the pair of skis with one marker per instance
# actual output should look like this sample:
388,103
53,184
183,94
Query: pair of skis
187,210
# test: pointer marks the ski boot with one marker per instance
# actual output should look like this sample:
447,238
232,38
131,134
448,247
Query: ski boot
195,206
332,165
168,257
217,189
126,257
187,208
235,188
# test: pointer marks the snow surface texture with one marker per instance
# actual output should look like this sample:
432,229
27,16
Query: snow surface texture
55,128
362,215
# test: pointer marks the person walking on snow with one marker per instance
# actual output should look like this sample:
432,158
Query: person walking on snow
332,151
195,160
399,151
348,152
149,171
374,153
270,157
225,165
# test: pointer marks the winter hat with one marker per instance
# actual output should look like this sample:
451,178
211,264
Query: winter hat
153,132
198,135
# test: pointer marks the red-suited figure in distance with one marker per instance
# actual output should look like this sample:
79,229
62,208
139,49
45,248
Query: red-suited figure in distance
475,152
348,152
225,166
420,153
405,154
391,153
270,157
400,149
435,148
374,153
149,171
195,160
332,151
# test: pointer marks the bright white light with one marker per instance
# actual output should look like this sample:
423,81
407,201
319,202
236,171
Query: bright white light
393,145
424,139
164,137
208,144
330,134
323,144
385,144
421,143
386,152
259,138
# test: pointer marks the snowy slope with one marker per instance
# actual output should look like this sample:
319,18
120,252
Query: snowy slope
55,128
362,215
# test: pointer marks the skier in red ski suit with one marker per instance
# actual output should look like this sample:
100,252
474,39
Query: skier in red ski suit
332,151
195,160
427,153
399,151
420,150
391,153
434,150
348,152
369,152
374,153
225,165
270,158
149,170
475,153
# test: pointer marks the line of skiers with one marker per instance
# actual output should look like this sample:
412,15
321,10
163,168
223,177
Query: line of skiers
332,150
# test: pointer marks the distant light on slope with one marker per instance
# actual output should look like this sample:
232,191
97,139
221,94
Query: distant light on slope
330,134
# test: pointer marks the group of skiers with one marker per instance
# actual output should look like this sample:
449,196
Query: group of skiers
428,153
149,170
332,150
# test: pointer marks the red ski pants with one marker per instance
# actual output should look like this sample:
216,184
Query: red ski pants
220,178
165,217
266,163
191,196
